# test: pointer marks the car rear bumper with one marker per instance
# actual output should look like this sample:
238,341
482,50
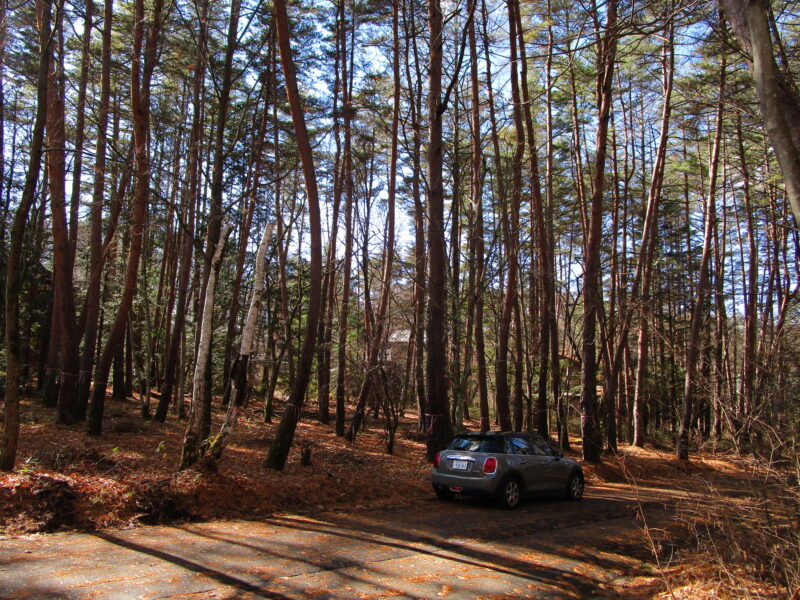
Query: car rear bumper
465,485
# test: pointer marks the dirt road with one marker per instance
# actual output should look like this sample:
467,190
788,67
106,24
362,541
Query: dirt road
457,550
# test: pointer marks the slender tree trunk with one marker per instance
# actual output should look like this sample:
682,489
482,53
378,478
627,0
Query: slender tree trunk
190,198
417,337
545,280
239,379
329,283
699,306
476,199
195,442
80,123
510,221
748,391
370,378
64,308
14,267
454,293
245,223
140,106
592,292
347,177
437,394
647,248
92,305
217,177
549,275
283,438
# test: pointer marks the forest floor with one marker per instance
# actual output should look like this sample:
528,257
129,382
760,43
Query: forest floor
718,526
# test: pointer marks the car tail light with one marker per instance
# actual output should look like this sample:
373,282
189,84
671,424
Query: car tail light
490,466
436,460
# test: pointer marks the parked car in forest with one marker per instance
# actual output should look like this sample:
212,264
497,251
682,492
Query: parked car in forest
508,466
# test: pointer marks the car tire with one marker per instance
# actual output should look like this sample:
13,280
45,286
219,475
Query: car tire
509,493
575,486
443,493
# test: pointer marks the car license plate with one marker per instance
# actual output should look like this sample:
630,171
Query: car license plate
460,465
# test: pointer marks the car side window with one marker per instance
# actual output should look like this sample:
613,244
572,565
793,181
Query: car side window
519,445
541,448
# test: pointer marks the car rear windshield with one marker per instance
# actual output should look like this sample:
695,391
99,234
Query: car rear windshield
474,443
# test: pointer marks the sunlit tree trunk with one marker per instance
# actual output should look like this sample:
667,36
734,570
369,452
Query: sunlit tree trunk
437,393
592,292
549,275
546,309
702,288
239,379
329,283
14,267
370,381
64,307
778,95
347,180
285,434
510,221
195,442
647,248
92,302
140,108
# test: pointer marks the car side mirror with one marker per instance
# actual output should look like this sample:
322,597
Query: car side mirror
558,454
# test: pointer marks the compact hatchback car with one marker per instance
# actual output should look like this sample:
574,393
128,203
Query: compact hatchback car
508,466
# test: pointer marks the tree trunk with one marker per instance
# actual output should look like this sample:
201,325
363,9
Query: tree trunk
195,443
592,292
347,177
647,248
699,306
549,267
779,99
80,123
546,308
14,268
510,221
283,437
329,283
439,429
140,105
64,308
190,197
238,381
370,382
92,302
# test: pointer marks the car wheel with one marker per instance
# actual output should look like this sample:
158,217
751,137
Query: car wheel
575,487
510,493
443,493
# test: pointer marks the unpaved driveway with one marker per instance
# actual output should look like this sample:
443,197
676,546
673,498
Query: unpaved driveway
458,550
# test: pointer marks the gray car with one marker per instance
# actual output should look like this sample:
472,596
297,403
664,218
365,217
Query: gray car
505,465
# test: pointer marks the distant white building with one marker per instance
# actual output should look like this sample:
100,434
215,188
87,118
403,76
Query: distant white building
398,345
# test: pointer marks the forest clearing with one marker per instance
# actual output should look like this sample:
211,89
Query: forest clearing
650,527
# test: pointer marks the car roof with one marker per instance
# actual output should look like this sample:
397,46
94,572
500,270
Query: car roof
493,434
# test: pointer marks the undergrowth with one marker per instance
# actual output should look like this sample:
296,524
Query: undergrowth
733,544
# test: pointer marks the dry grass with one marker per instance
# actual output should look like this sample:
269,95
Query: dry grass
736,528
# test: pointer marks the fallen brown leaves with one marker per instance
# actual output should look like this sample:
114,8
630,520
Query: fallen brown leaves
128,477
65,479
